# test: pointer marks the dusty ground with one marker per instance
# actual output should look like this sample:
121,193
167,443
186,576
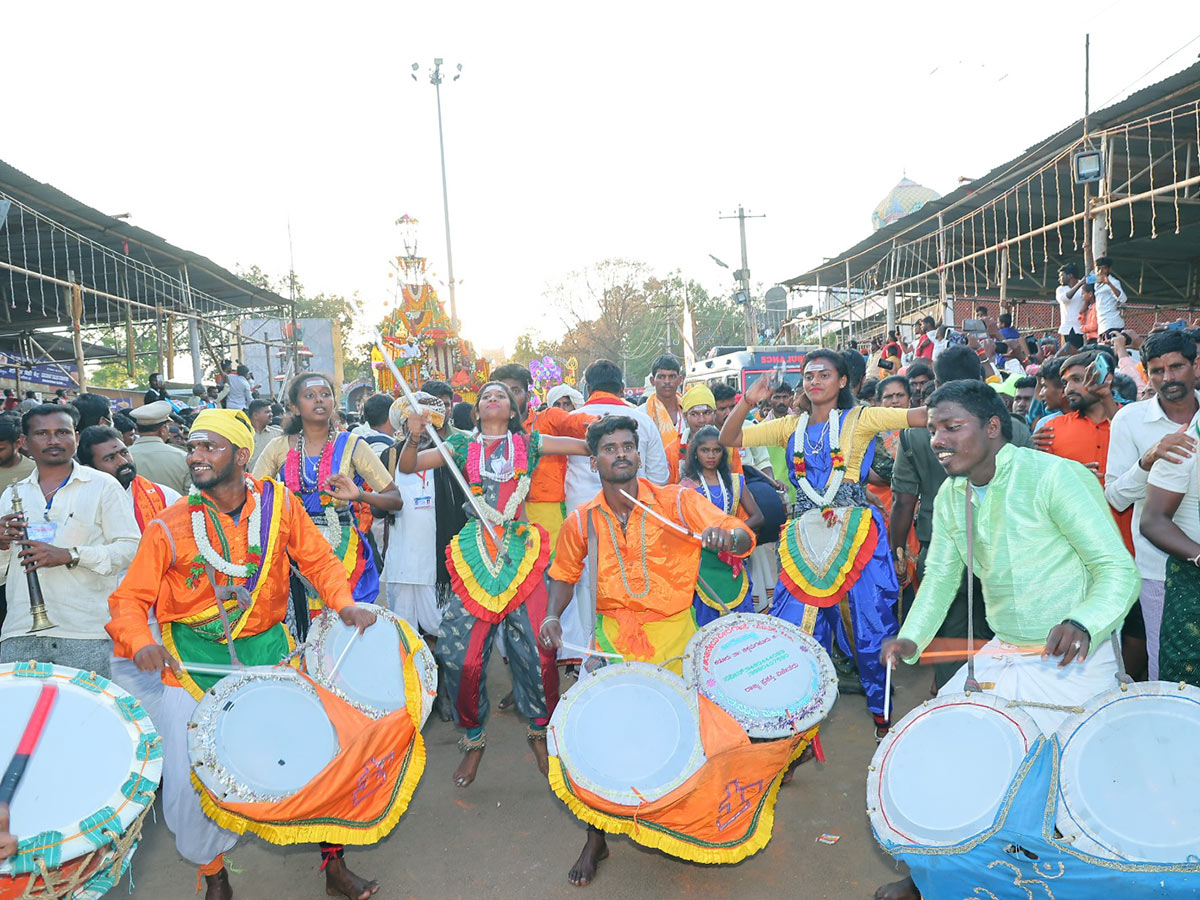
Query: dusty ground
508,836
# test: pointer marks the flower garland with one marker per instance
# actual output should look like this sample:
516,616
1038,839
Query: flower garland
293,467
518,453
219,560
835,455
331,530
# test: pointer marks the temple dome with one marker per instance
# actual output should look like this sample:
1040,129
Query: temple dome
902,200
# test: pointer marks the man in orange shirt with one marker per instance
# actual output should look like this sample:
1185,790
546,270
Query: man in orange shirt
1082,433
175,576
643,607
664,408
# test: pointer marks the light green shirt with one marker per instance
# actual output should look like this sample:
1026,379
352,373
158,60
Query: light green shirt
1046,549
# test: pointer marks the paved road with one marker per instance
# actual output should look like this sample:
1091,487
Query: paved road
508,836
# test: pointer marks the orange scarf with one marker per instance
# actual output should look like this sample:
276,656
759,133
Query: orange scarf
148,500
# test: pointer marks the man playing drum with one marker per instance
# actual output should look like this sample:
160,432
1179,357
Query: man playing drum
174,571
1026,506
646,572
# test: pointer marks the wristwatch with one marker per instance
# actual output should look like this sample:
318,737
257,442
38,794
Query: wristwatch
74,551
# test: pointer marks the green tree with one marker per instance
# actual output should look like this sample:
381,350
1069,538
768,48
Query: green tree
529,347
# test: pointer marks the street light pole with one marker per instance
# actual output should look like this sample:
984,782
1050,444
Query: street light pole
435,78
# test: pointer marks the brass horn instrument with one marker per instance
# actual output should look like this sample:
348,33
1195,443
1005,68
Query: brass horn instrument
37,603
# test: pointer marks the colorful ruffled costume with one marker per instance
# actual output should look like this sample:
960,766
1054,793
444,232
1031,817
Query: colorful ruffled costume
493,590
723,584
840,551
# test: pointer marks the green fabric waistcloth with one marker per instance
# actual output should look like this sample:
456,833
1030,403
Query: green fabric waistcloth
264,649
1179,642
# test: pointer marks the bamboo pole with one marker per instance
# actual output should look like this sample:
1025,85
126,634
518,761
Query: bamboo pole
77,336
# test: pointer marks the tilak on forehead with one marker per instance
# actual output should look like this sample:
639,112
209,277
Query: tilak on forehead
817,364
315,382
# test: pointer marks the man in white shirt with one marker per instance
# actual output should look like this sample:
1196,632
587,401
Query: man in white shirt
79,538
1070,305
376,427
409,544
1141,435
1110,298
605,386
240,393
103,449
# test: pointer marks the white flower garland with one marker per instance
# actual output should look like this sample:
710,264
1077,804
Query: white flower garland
209,553
332,529
837,474
511,507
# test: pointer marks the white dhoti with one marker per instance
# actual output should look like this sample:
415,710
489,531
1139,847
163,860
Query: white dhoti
147,687
573,630
764,572
1031,680
416,604
198,838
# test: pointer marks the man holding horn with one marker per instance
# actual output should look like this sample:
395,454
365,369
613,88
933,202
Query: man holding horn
236,531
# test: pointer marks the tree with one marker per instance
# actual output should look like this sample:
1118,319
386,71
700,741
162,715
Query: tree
529,347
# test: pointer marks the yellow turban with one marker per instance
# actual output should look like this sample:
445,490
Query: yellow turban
698,395
231,424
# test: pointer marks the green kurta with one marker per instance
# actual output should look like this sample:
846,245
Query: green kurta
1046,549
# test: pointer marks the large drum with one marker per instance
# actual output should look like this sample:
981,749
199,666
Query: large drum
260,737
943,772
629,733
769,675
78,812
1128,785
371,677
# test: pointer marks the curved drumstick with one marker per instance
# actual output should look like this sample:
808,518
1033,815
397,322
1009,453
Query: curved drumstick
887,693
345,650
29,741
636,502
567,645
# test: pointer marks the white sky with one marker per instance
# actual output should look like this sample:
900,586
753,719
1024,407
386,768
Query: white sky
577,132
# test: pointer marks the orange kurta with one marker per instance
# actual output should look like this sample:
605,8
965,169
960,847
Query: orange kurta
646,572
158,576
546,485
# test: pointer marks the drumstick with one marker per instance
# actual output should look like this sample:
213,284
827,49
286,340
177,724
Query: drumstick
218,669
29,741
930,657
349,644
636,502
887,693
567,645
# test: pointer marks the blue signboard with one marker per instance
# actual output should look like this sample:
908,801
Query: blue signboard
50,375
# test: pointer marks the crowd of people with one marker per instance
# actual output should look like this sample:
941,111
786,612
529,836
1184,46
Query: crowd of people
1062,467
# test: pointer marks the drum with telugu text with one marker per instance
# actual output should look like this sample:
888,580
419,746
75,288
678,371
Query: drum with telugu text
629,733
769,675
944,771
1128,783
78,812
371,677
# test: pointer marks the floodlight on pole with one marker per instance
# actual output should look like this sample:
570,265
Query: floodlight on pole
435,78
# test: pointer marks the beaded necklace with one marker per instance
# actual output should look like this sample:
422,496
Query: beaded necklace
612,536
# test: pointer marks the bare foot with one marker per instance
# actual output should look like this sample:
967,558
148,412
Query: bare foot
465,773
594,850
905,889
507,703
341,882
805,755
218,887
541,755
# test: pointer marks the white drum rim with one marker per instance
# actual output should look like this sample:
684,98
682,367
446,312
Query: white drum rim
140,729
1075,832
884,831
759,726
202,729
423,659
626,797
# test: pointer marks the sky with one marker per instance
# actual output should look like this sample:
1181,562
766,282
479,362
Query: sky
577,132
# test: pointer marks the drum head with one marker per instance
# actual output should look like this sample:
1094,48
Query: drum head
89,751
371,678
629,733
1128,785
260,737
943,771
774,679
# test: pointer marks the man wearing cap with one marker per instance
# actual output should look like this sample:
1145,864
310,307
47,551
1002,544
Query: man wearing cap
699,409
153,456
166,575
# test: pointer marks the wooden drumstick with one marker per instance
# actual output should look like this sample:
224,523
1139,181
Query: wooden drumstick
345,650
887,693
29,741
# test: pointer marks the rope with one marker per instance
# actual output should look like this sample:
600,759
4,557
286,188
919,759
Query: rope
1054,706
